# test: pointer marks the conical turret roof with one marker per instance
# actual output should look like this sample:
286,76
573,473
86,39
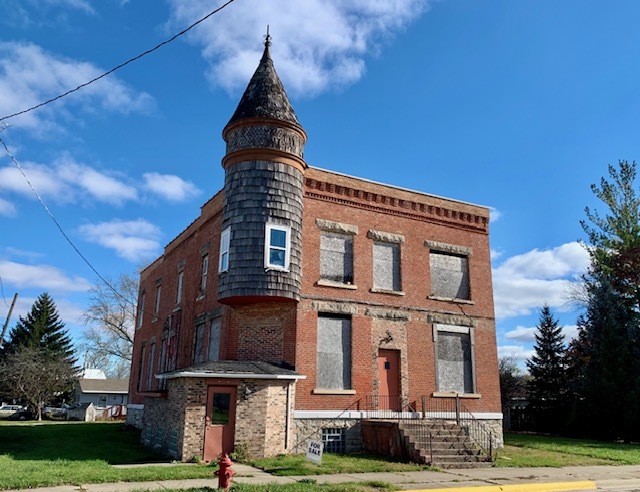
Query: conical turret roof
265,96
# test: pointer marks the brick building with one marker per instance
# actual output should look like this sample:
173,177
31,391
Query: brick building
299,296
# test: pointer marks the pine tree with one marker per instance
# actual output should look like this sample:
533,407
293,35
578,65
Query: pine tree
42,328
607,364
548,386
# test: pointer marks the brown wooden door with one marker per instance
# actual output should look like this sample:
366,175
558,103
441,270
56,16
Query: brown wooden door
220,422
389,379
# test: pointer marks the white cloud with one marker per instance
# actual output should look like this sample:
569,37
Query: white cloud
69,312
523,283
29,75
170,187
98,185
35,13
494,214
134,240
44,277
495,254
317,44
570,332
7,209
67,181
521,334
518,352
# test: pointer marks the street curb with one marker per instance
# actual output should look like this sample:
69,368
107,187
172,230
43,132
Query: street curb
525,487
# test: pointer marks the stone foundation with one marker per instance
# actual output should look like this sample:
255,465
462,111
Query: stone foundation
174,424
311,429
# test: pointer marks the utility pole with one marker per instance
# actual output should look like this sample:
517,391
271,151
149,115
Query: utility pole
6,323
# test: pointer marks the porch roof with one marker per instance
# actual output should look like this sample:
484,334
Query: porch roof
232,369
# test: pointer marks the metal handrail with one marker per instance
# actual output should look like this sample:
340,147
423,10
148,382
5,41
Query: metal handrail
452,408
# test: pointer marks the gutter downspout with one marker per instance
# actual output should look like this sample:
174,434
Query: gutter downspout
288,418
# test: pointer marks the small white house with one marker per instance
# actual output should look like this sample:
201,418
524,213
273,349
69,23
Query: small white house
103,393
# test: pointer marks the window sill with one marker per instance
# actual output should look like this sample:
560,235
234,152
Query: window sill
338,285
452,394
451,299
200,297
391,292
329,391
177,308
276,269
154,319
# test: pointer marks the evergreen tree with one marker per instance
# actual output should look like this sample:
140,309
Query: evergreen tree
605,359
548,385
42,328
606,384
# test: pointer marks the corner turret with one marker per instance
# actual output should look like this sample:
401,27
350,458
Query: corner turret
261,243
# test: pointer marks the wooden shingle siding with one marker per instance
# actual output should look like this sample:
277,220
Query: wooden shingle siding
257,193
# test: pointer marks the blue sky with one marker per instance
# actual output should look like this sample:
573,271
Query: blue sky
517,105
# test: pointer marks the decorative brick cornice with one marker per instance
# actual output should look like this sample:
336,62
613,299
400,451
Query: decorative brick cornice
385,203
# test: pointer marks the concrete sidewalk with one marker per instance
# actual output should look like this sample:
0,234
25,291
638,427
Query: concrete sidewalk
609,478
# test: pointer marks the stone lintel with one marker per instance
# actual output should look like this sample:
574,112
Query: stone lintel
337,227
386,237
389,314
450,319
448,248
334,307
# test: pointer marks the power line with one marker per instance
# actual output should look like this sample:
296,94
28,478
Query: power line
75,248
64,234
119,66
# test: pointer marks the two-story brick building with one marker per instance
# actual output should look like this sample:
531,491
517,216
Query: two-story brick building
301,295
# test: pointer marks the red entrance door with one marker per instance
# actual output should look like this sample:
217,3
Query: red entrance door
389,379
220,421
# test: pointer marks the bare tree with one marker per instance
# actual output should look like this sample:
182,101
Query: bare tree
110,321
37,376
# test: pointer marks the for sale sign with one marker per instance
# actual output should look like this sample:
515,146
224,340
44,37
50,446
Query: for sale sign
314,451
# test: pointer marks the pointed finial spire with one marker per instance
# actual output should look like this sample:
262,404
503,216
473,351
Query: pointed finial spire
267,38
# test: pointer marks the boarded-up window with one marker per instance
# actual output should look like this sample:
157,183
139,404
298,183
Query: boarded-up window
336,257
334,352
386,266
152,354
455,360
214,339
198,350
449,275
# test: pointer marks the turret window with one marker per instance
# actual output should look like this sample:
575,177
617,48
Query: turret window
225,238
277,246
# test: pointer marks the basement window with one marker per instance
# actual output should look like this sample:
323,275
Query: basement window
334,440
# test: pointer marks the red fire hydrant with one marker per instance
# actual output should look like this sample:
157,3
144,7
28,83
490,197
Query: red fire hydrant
224,472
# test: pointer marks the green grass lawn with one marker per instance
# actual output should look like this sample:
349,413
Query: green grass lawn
333,463
57,453
534,450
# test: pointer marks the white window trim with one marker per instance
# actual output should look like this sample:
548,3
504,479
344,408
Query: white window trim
225,237
267,246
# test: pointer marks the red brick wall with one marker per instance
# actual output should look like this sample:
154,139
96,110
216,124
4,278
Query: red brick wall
286,331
